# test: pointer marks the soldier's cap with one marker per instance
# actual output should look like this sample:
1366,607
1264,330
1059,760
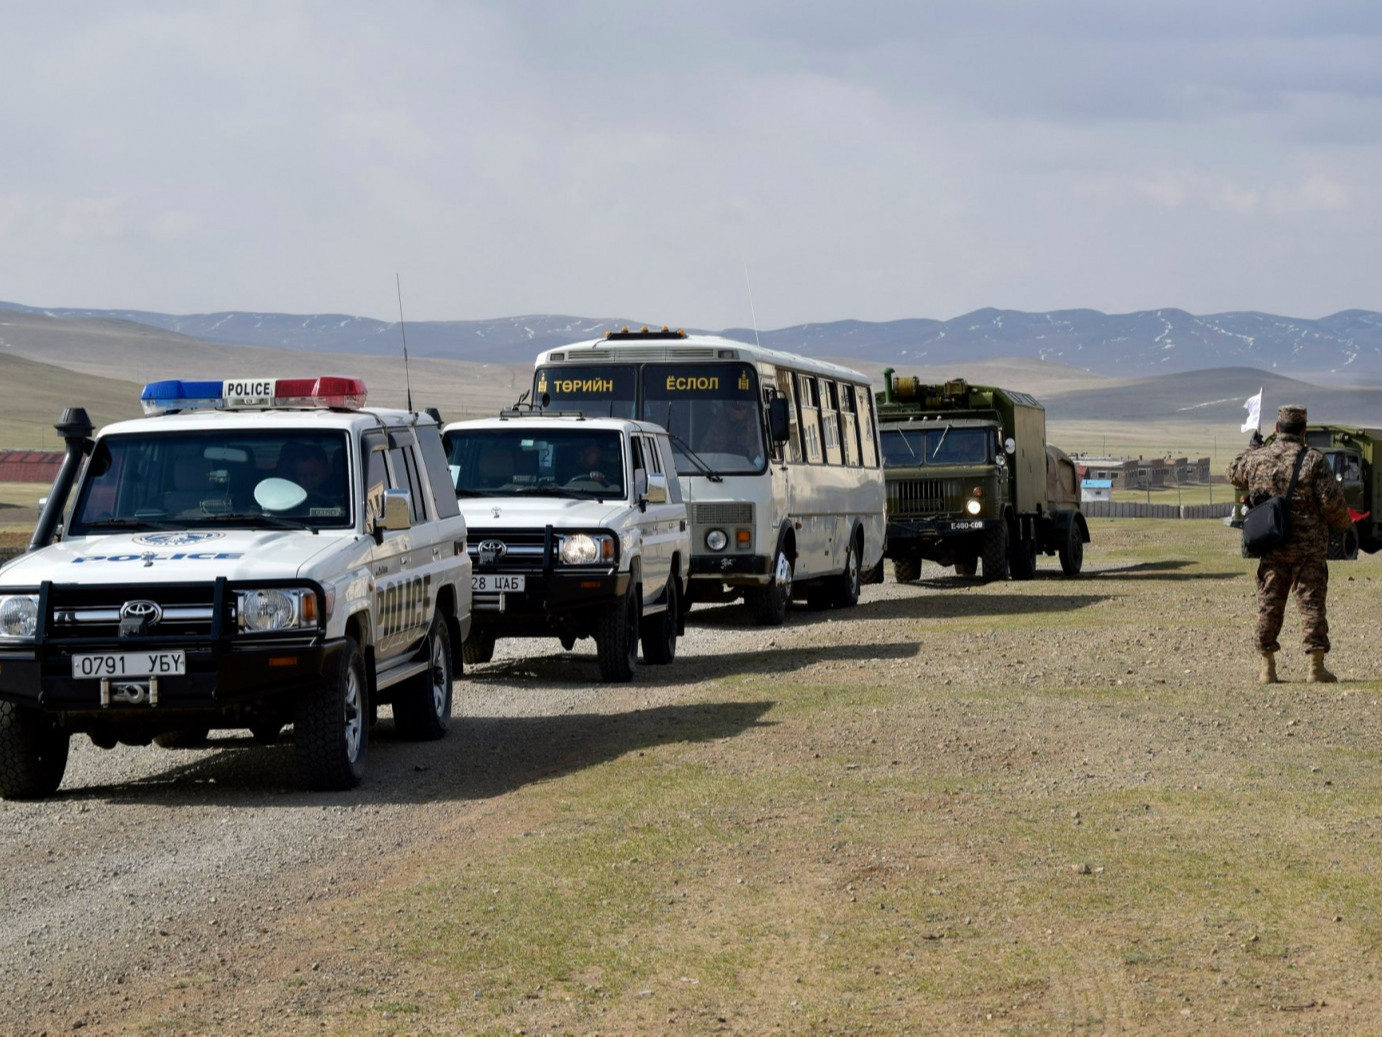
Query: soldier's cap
1290,415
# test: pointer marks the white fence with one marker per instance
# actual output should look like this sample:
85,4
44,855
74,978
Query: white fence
1127,509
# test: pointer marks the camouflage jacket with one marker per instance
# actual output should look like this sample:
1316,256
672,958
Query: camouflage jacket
1318,503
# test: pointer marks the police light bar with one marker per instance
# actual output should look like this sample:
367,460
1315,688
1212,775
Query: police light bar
327,392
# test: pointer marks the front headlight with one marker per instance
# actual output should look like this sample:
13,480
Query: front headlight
587,548
19,616
973,506
716,540
273,608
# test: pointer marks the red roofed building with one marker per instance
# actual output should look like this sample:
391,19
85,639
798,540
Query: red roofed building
29,465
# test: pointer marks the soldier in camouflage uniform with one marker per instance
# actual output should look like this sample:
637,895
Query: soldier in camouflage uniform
1316,507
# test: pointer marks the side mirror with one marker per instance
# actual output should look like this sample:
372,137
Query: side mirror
655,492
779,419
398,510
1010,445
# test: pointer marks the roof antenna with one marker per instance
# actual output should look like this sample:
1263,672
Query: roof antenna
751,310
403,330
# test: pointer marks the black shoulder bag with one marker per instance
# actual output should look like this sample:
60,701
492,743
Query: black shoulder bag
1268,525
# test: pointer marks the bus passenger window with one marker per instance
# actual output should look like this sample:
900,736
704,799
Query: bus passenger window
810,418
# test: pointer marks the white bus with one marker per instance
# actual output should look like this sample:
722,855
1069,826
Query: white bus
778,458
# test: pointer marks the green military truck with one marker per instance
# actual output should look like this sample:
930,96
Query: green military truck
1352,452
972,482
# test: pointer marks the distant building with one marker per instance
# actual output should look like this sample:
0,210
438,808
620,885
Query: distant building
1096,490
29,465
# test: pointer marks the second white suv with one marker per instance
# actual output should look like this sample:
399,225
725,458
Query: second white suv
576,529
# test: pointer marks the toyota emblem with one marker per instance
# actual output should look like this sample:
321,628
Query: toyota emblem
145,610
491,551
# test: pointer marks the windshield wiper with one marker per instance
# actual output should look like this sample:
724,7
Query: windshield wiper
944,433
695,458
126,523
261,518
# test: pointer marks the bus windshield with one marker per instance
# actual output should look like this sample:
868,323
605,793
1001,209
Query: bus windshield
935,445
514,462
711,409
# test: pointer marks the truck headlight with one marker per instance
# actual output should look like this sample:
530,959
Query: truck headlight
587,548
716,540
273,608
974,506
19,616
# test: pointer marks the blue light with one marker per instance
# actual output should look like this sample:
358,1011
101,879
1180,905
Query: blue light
175,394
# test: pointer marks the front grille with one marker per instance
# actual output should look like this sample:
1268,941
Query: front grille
85,611
722,513
922,496
524,549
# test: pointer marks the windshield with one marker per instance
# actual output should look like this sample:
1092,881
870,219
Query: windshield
516,462
935,445
712,409
603,390
186,480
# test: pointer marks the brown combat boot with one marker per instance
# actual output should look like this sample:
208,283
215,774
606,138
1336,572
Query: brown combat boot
1267,675
1318,674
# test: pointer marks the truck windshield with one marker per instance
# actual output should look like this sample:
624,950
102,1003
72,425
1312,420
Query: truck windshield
937,445
199,479
516,462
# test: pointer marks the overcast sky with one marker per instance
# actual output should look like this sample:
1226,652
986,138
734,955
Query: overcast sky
672,162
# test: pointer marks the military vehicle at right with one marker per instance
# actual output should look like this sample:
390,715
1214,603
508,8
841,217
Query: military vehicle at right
972,482
1353,453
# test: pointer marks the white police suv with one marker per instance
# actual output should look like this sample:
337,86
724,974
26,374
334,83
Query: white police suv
249,554
577,529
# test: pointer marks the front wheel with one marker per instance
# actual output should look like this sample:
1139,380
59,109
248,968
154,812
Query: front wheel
330,727
33,753
768,605
1343,547
1072,552
477,648
845,587
422,704
616,638
994,554
660,632
908,569
1022,559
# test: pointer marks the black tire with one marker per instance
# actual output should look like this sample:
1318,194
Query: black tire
478,647
616,639
907,570
422,704
1021,558
660,631
967,565
1343,547
768,605
1072,552
192,736
994,553
266,732
845,587
33,753
331,726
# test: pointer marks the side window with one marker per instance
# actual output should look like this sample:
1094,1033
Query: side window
404,475
438,474
786,382
375,473
868,430
810,402
668,466
849,425
830,415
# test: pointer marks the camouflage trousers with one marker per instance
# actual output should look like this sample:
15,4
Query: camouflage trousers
1277,574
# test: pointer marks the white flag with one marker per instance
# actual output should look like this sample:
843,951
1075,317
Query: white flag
1254,409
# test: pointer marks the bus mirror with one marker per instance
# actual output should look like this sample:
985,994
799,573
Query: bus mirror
778,418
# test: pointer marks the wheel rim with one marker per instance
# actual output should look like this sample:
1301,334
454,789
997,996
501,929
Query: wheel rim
441,678
852,570
354,715
783,570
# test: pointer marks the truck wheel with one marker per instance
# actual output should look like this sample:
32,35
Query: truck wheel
660,632
907,570
1072,552
967,565
768,605
995,552
478,647
33,753
1343,547
616,638
1021,559
422,704
329,726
